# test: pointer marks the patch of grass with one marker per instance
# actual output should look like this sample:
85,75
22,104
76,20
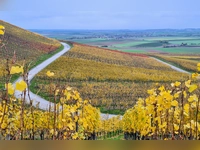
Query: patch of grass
118,137
33,88
169,38
134,51
113,111
44,57
180,50
153,44
37,62
131,44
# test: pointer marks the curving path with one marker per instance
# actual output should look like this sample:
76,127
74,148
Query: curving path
173,67
44,104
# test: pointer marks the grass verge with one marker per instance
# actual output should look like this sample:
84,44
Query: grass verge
38,61
172,63
113,111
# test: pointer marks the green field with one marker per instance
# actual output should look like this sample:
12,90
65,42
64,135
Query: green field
179,50
148,45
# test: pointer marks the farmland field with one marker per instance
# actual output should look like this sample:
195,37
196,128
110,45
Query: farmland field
113,80
134,41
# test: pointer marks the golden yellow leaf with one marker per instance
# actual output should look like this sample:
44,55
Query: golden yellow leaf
62,100
195,75
63,120
176,127
85,102
151,92
68,96
163,125
16,69
184,94
3,125
162,88
193,98
57,91
21,86
187,126
177,83
68,114
186,108
194,105
70,125
76,118
74,136
72,110
198,68
174,103
1,32
192,88
187,83
176,95
50,74
2,27
10,88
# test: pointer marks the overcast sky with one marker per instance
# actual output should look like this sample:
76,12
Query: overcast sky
101,14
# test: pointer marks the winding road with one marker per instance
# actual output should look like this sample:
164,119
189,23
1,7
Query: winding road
173,67
44,104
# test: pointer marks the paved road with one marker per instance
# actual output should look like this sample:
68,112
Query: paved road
173,67
44,104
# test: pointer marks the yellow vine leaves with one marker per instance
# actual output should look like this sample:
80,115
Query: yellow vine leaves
2,30
10,88
21,86
50,74
16,69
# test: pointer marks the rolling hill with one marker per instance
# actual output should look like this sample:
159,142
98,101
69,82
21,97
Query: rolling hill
27,45
112,80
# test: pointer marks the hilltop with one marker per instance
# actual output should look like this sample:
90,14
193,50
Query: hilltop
26,44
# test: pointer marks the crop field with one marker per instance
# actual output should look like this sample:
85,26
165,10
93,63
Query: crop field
148,45
113,80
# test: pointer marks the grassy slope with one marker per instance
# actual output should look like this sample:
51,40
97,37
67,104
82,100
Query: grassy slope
27,45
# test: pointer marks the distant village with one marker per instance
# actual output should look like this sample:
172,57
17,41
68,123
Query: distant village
167,45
